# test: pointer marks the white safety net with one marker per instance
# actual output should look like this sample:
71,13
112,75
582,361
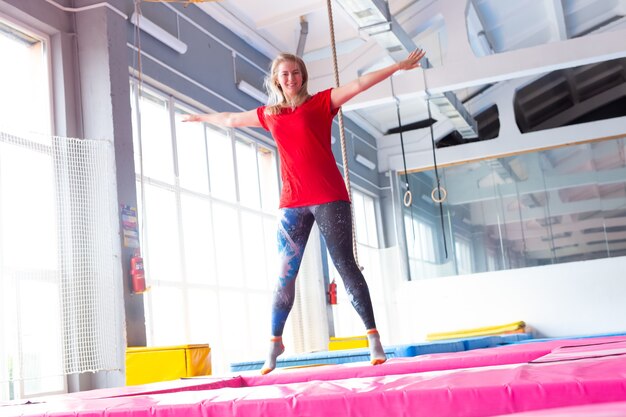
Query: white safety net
60,272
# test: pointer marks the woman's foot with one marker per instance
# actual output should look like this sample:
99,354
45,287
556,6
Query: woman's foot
377,353
276,349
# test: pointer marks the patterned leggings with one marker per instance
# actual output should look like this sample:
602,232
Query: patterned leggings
335,223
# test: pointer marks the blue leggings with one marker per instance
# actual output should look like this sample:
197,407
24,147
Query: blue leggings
335,223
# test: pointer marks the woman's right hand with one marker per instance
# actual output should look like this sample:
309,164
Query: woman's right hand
226,119
192,118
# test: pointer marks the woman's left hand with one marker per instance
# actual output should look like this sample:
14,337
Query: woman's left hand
412,61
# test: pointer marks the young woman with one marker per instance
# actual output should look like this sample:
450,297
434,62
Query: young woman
313,189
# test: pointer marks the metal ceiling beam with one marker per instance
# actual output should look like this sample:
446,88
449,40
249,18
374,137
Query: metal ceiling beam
555,9
487,42
304,31
423,17
374,19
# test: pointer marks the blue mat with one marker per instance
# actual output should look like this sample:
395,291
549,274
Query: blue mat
547,339
406,350
458,345
315,358
480,342
425,348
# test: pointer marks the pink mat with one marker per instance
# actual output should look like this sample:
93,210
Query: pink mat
594,349
594,375
192,384
616,409
475,392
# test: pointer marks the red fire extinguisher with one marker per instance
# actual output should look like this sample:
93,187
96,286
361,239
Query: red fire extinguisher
137,273
332,293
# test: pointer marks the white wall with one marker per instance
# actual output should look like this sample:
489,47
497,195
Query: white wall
579,298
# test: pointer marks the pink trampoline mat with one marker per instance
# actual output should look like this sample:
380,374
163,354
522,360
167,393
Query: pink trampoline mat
596,350
485,390
612,409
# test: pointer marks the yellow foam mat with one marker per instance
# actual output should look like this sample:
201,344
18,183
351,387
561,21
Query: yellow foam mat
352,342
165,363
515,327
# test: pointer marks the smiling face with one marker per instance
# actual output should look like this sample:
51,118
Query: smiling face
289,77
287,83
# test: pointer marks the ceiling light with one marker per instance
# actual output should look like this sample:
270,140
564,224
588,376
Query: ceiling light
364,161
252,91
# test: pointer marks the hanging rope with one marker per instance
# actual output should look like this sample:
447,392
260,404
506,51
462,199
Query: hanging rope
441,192
408,197
342,136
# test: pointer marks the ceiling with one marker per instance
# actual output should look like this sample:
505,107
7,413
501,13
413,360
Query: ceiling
375,32
368,37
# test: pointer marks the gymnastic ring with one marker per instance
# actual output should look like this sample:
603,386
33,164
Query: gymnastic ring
408,198
443,194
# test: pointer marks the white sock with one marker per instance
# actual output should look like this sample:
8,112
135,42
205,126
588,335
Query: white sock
377,353
276,349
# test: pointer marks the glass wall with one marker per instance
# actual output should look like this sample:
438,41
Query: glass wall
559,205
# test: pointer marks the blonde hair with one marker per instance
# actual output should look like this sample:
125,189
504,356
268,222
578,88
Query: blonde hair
277,99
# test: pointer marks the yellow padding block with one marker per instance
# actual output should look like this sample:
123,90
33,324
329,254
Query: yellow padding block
166,363
352,342
515,327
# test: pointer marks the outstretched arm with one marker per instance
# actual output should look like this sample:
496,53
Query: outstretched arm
227,119
340,95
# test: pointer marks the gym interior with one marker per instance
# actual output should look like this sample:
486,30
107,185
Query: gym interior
488,189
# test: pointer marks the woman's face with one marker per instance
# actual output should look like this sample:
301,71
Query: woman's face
290,78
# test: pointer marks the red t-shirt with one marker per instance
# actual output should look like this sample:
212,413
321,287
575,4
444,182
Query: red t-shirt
307,165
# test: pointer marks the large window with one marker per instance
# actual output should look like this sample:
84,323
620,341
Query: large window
365,219
24,83
208,200
31,360
420,240
552,206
